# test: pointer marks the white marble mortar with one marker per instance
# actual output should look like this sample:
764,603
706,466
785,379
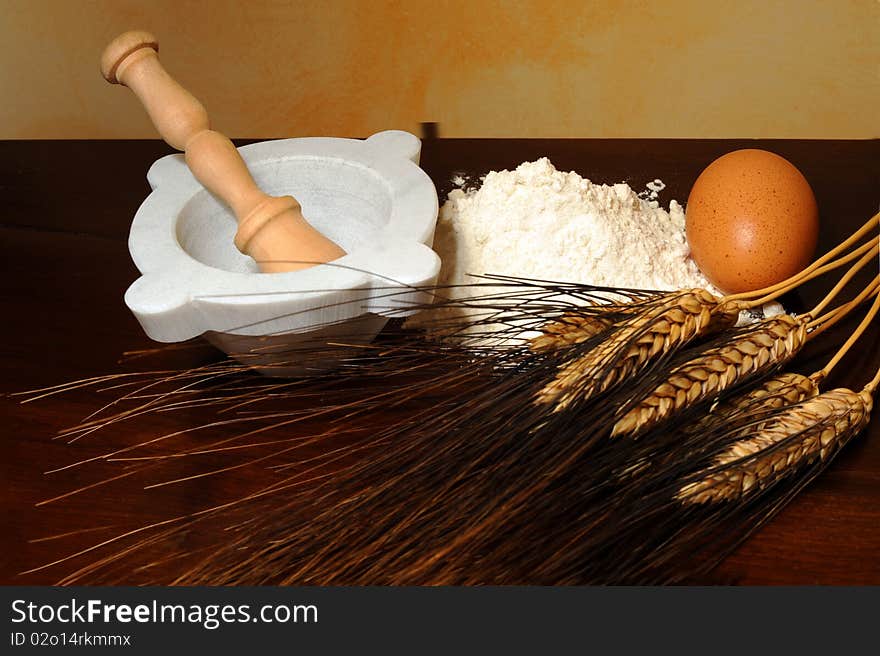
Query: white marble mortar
369,196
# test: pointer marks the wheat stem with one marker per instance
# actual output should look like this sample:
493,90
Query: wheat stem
869,255
806,274
852,338
872,385
824,322
865,248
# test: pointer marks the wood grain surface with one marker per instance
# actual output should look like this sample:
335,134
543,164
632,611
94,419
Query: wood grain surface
67,210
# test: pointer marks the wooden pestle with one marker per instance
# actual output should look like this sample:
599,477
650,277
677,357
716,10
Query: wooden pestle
272,230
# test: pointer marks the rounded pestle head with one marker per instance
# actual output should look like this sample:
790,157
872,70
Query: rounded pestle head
123,46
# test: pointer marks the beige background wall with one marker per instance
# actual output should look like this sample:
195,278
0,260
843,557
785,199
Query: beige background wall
682,68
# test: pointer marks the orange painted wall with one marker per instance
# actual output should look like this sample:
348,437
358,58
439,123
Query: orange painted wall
680,68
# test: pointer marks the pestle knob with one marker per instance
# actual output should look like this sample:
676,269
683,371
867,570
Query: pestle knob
271,229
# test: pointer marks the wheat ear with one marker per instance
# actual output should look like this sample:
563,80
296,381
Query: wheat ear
662,327
772,394
568,330
812,429
771,343
586,322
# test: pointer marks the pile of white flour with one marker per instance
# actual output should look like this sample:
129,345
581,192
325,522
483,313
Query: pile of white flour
537,222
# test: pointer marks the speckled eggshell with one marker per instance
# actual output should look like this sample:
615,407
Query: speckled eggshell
751,220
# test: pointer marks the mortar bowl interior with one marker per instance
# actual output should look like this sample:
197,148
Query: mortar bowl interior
326,188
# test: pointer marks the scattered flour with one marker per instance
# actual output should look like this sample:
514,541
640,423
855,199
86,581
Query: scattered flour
537,222
653,189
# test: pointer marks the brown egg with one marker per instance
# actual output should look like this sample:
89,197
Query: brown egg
751,220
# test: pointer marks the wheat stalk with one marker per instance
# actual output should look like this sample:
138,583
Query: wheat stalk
771,343
662,327
812,429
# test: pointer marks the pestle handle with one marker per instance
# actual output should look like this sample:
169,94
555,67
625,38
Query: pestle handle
272,230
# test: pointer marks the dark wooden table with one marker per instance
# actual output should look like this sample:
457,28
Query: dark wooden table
67,207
